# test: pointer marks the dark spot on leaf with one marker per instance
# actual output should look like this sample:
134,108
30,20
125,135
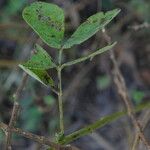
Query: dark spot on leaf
37,10
52,24
41,61
102,20
49,18
52,36
26,13
40,5
75,136
39,16
46,78
94,21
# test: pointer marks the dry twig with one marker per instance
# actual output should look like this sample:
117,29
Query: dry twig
122,91
15,112
34,137
9,63
144,120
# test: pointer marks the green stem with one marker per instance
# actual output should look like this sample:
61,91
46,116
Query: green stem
90,56
98,124
60,56
60,101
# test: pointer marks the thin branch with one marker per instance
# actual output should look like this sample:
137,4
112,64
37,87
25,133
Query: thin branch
47,141
34,137
90,56
99,123
9,63
39,139
144,120
15,112
122,91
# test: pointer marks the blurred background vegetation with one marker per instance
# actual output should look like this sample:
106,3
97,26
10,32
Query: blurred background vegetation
89,92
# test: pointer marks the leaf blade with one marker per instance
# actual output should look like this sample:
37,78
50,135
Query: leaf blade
47,20
40,75
37,66
40,60
92,25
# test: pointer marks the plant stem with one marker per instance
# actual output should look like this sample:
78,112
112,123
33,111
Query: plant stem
37,138
60,102
90,56
100,123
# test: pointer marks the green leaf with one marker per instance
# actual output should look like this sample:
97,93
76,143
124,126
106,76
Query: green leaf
90,27
37,66
90,56
40,60
40,75
47,20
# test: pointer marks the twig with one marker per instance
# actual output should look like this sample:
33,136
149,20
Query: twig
40,139
34,137
47,141
15,112
9,63
12,25
122,91
144,121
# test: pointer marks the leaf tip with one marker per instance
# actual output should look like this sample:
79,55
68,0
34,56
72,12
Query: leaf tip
117,11
114,43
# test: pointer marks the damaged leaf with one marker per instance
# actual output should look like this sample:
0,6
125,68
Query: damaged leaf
37,66
47,20
40,60
92,25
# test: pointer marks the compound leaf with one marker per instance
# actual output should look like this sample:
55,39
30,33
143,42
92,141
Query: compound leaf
47,20
92,25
